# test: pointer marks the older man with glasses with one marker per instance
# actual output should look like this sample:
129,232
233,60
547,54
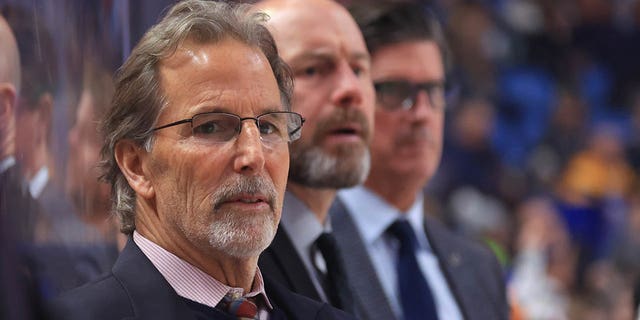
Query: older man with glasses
197,153
402,264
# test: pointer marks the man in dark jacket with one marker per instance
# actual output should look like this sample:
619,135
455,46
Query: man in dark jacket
196,150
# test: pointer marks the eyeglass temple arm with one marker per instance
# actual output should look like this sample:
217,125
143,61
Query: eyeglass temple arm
172,124
298,128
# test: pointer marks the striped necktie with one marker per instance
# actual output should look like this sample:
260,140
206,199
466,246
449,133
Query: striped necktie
238,306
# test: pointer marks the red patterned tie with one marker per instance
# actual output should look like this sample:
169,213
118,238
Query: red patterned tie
240,307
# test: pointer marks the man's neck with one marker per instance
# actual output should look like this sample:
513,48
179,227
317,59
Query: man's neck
38,159
171,269
234,272
317,200
401,196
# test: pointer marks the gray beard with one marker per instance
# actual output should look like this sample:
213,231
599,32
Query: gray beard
232,236
234,233
315,168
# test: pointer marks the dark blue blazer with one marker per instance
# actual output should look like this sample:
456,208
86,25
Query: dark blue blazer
136,290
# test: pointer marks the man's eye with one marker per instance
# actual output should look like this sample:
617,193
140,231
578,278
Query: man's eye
268,128
207,128
310,71
360,69
317,69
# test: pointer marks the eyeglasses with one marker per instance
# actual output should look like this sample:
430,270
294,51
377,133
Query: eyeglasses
401,95
218,127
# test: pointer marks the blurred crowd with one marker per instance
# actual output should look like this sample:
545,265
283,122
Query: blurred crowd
541,151
542,144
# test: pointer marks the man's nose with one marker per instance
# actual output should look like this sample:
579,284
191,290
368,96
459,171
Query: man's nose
422,107
348,87
249,149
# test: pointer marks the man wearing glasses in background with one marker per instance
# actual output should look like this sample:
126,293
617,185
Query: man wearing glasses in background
403,264
197,153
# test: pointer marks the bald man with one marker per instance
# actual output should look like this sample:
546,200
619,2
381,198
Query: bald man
9,87
333,91
15,203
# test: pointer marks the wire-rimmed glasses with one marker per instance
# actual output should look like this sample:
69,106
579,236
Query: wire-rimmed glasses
218,127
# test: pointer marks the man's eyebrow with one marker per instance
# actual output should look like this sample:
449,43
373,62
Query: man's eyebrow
272,109
314,55
361,56
217,108
329,56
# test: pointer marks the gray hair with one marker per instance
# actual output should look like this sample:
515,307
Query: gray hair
138,98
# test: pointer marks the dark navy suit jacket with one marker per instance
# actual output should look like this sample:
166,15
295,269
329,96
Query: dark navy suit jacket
136,290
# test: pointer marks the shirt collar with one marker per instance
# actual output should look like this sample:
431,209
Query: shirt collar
373,215
190,282
38,182
301,223
7,163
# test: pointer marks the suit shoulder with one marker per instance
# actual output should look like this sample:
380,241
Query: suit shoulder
103,298
297,306
439,233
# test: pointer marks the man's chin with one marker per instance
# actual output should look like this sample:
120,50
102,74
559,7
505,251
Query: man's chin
246,240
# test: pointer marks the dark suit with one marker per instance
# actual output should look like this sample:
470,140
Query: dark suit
18,212
136,290
472,272
72,253
17,207
281,263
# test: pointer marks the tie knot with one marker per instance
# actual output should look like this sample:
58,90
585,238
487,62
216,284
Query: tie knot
326,243
402,230
238,306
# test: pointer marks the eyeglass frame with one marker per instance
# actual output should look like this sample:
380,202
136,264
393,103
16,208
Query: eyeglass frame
415,87
292,136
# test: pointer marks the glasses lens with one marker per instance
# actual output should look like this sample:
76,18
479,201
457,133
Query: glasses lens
436,95
278,127
294,126
273,127
394,95
215,127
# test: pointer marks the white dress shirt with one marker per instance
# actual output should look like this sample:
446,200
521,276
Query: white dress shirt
373,216
7,163
38,182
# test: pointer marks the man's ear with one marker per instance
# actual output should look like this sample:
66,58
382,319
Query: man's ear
7,100
130,158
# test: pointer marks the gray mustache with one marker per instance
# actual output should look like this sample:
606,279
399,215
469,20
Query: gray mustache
242,185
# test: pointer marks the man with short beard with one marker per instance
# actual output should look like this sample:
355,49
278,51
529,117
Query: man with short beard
196,152
333,91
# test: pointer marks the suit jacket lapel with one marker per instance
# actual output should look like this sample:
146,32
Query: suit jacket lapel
283,257
150,294
370,299
460,272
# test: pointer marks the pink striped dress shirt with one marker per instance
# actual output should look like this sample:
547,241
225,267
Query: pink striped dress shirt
192,283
